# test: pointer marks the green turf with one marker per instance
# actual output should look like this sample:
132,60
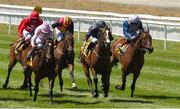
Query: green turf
157,86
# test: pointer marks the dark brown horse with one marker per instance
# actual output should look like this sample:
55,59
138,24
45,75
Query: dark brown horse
43,65
64,55
13,59
133,59
98,61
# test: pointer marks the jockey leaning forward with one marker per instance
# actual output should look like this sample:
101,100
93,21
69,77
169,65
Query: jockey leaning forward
26,30
38,40
91,37
131,29
63,25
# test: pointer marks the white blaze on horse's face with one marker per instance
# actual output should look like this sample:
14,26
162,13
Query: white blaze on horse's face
107,37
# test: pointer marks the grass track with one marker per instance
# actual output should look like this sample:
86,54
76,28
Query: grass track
157,86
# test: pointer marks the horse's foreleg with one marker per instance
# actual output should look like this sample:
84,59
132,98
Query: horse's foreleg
26,77
89,81
135,76
10,67
105,81
51,86
28,73
71,69
36,87
60,79
122,87
95,79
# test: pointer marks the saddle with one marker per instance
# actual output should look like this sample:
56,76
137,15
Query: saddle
122,47
87,47
21,45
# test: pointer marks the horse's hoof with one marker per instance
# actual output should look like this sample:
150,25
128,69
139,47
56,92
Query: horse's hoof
119,87
34,99
4,86
24,87
132,96
61,89
105,95
95,95
74,86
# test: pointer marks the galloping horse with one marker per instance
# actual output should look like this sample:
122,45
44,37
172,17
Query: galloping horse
13,59
133,59
98,61
64,56
43,65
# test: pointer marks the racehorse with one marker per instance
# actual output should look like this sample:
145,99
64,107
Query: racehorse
64,55
13,59
43,65
98,61
133,59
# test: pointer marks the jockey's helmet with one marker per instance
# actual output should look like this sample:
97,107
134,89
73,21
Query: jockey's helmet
101,24
45,28
134,19
38,9
67,21
34,15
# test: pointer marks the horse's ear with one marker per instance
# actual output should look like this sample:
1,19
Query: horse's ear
147,28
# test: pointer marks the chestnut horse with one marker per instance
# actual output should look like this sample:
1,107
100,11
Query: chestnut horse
43,65
133,59
64,56
98,61
13,59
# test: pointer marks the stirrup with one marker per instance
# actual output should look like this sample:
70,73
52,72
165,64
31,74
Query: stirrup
16,51
29,61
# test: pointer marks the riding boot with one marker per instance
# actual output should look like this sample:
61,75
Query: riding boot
30,54
122,47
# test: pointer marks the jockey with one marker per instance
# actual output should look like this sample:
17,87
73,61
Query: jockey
92,35
63,25
38,39
38,9
26,29
131,28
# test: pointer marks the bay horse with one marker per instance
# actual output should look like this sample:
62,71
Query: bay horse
64,56
132,60
43,65
98,61
13,59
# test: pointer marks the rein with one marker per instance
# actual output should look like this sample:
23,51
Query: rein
59,51
97,54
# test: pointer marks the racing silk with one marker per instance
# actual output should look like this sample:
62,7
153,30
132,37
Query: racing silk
28,25
93,31
130,30
62,28
39,36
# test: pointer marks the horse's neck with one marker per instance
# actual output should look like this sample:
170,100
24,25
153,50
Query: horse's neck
101,51
133,49
61,46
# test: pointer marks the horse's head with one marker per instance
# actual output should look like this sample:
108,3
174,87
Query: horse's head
49,49
69,42
105,37
146,41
